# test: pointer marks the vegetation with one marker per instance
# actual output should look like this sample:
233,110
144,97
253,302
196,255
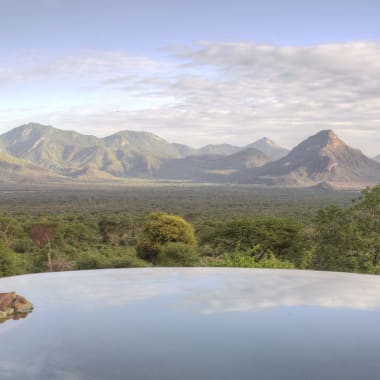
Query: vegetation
265,237
160,229
349,239
178,255
322,230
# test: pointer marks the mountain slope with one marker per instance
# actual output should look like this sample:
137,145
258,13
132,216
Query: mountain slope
60,151
13,169
320,158
210,167
377,158
70,153
141,153
269,148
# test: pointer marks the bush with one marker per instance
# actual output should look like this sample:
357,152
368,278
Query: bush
128,262
348,239
178,254
247,259
285,238
21,245
7,261
161,228
93,260
61,264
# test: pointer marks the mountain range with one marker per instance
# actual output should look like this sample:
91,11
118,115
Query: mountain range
40,153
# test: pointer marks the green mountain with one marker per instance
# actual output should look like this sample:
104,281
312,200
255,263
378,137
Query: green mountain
75,155
141,153
123,154
36,152
13,169
63,152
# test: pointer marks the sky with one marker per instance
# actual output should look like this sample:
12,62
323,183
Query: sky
194,72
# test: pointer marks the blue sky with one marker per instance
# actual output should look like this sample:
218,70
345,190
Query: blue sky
194,71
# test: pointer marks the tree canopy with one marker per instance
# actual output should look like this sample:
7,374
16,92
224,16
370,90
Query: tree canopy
161,228
349,239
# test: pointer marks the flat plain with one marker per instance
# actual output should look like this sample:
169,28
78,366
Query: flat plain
193,201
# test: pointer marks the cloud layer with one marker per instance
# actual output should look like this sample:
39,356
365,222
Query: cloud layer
206,93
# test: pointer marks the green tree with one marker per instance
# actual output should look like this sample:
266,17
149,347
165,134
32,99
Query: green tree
42,236
7,261
285,238
161,228
367,217
113,229
248,259
349,239
177,254
336,237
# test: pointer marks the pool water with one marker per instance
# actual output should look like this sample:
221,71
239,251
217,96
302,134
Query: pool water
188,324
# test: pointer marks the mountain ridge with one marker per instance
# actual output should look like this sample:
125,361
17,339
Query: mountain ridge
323,157
50,152
122,154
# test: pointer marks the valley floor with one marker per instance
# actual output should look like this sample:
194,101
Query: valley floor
82,226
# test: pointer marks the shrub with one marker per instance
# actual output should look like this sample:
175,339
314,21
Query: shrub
285,238
161,228
247,259
93,260
7,261
178,254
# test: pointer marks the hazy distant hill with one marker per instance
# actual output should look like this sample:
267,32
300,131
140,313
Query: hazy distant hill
211,167
269,148
264,145
377,158
218,149
320,158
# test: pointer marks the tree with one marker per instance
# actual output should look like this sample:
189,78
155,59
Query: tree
367,218
177,254
7,261
7,227
248,259
113,229
42,236
336,237
161,228
349,239
283,238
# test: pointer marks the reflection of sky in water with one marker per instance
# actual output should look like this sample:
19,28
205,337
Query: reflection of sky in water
193,324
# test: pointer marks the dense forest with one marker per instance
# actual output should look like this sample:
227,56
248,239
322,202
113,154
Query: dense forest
56,230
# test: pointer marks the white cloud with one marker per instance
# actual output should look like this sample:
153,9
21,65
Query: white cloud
219,92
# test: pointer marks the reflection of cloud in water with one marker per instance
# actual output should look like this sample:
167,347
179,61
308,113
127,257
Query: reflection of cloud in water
208,289
269,289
